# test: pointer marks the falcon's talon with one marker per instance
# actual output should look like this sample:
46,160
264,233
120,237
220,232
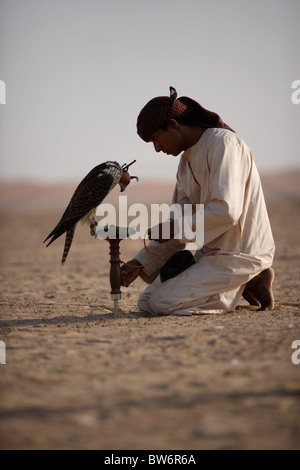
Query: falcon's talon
92,226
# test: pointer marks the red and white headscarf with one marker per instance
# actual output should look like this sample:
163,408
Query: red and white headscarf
158,110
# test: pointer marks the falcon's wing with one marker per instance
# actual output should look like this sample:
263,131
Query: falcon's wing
87,196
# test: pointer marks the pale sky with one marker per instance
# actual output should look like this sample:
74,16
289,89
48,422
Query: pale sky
77,73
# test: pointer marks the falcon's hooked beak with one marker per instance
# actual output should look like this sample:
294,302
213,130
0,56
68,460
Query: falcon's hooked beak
125,180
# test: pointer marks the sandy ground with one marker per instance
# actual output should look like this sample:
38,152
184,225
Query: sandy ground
78,376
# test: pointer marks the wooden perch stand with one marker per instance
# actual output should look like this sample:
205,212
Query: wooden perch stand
114,235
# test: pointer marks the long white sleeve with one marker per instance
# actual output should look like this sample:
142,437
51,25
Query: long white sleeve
153,260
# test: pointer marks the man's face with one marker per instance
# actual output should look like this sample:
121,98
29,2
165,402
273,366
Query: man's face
168,141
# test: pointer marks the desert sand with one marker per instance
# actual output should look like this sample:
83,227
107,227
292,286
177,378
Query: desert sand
78,376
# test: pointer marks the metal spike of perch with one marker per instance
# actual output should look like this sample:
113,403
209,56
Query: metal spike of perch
114,235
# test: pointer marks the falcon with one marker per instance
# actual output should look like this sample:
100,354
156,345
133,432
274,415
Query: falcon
90,192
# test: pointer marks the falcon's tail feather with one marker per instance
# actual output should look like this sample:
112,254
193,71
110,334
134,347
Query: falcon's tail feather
68,243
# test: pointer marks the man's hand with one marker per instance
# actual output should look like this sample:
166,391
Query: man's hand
159,232
130,271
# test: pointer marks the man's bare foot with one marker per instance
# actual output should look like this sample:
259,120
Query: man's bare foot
259,292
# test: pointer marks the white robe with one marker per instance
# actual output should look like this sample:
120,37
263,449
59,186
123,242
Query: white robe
218,172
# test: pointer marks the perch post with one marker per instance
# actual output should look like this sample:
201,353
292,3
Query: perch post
114,235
